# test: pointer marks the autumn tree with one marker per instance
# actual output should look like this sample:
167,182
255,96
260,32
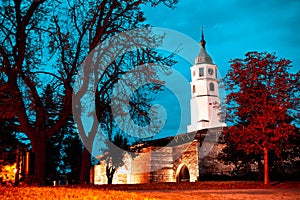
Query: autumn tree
45,42
262,98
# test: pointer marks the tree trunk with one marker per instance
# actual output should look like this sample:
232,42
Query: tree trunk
266,167
85,166
110,171
39,146
109,180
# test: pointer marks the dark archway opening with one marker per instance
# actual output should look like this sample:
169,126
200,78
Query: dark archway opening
183,175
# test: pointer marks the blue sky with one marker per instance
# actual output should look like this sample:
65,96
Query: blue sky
232,28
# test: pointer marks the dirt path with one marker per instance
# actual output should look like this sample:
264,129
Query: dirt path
231,194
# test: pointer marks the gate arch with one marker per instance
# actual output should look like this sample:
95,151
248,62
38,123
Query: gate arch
182,174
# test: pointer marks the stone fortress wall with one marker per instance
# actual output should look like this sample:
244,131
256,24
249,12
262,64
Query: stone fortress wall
167,163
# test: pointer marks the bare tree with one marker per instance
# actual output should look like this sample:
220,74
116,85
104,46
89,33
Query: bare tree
44,42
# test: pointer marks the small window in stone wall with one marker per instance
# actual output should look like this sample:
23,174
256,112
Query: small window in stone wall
211,87
194,88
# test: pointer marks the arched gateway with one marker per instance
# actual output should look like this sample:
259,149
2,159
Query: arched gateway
182,174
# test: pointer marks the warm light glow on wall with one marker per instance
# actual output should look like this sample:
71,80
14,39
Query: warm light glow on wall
8,173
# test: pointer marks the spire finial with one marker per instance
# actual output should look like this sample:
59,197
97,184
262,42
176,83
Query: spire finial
202,42
203,56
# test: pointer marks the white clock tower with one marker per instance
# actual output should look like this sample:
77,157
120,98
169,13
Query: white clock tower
205,100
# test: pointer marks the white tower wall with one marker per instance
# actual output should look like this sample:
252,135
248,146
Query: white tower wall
205,100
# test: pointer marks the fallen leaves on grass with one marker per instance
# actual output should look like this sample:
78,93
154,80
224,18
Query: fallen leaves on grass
31,193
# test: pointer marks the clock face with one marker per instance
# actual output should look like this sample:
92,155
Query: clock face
210,71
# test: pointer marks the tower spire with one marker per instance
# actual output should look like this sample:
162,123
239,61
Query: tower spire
203,56
202,42
204,92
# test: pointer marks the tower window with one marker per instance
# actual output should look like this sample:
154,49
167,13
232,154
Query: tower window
216,73
194,88
201,72
211,87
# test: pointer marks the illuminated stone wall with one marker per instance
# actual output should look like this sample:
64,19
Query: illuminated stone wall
163,164
99,174
189,158
140,167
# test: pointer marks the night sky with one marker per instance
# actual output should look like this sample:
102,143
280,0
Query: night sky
231,29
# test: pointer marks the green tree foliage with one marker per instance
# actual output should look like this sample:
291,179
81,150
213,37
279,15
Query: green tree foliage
262,101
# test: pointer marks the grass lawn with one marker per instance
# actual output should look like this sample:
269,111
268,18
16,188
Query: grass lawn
30,193
203,185
216,190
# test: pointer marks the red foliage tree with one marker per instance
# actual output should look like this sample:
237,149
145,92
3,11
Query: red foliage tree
261,104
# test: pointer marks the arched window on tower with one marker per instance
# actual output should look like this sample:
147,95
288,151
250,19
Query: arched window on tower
211,87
